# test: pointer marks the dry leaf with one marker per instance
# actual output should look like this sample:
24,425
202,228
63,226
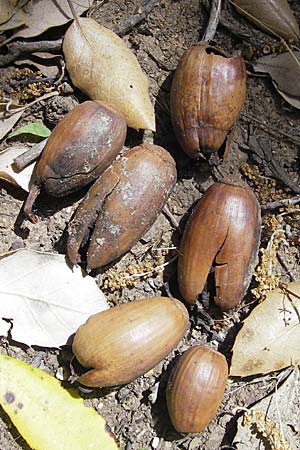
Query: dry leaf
8,171
277,416
104,68
284,70
39,15
270,336
6,10
7,123
47,63
46,300
48,416
273,16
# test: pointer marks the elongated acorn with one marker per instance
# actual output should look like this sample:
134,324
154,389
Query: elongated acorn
224,231
207,94
195,388
122,205
126,341
82,145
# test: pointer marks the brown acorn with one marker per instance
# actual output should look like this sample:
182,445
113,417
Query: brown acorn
224,230
207,95
82,145
124,342
122,205
196,388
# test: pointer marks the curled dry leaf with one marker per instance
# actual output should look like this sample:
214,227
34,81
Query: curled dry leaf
269,338
273,16
8,171
46,300
104,68
8,122
39,15
6,10
47,415
284,70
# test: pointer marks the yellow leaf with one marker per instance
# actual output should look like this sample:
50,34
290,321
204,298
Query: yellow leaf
102,66
48,416
270,336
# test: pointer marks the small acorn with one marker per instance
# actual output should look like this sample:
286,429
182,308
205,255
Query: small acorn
122,205
124,342
207,95
82,145
223,231
196,388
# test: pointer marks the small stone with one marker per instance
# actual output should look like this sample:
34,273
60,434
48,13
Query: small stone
155,442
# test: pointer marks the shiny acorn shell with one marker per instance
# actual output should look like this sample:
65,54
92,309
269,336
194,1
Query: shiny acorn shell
122,205
224,230
124,342
207,94
196,388
82,145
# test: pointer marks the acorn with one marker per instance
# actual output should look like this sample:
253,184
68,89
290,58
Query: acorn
207,95
223,231
82,145
122,205
196,388
125,342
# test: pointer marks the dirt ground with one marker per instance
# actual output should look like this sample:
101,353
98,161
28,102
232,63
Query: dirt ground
136,413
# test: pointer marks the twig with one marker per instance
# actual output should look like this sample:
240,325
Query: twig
11,112
19,48
26,158
285,266
171,218
136,18
213,21
269,127
279,203
273,165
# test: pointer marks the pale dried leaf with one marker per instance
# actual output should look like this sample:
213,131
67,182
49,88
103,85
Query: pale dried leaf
104,68
6,10
273,16
40,15
270,336
46,63
8,171
284,70
280,410
46,300
7,123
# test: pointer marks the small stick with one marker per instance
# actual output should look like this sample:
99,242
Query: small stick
213,22
136,18
285,266
269,127
171,218
29,202
28,157
279,203
19,48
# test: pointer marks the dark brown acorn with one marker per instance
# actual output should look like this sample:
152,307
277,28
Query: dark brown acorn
126,341
195,388
122,205
224,231
207,94
82,145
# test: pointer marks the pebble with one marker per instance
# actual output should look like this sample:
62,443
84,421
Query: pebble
155,442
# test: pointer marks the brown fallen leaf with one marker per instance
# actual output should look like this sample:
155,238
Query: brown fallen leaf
103,67
284,69
46,63
273,16
39,15
8,171
270,336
